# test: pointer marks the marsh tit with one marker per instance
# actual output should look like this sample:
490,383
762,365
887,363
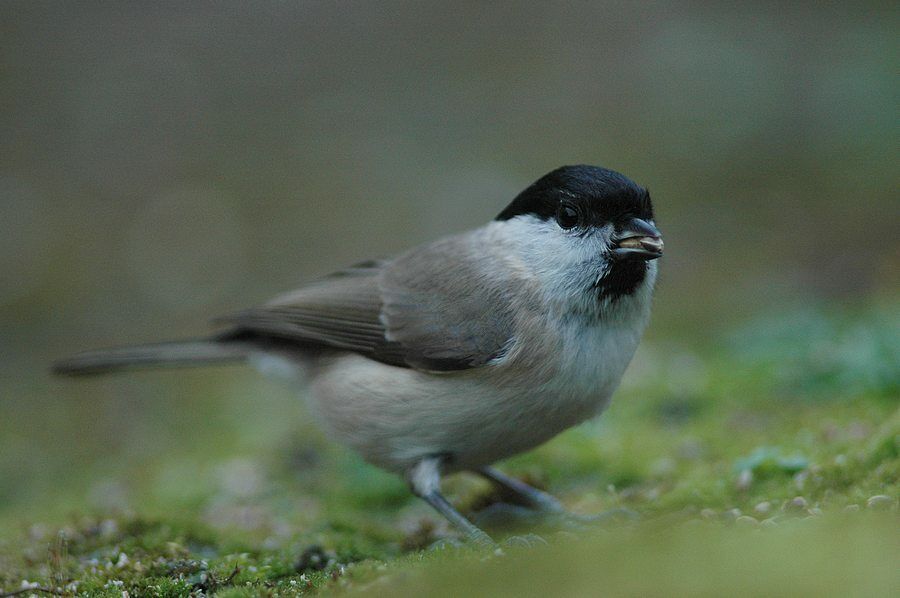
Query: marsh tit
464,351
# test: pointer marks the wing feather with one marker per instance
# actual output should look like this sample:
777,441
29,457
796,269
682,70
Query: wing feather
431,309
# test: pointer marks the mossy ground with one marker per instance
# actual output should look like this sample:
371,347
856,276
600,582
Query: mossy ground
766,462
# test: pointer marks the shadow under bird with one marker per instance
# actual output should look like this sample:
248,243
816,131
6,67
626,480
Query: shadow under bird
464,351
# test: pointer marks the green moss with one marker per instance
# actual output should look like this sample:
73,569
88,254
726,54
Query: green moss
231,512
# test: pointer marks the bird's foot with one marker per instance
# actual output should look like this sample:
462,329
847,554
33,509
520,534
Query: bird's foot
509,515
525,541
577,521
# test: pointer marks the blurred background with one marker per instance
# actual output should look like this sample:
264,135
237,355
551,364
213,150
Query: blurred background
166,162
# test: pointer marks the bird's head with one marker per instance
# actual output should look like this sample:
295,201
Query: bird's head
586,226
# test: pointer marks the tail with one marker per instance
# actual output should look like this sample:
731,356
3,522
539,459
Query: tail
176,354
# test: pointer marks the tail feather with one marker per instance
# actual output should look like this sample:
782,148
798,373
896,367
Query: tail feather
173,354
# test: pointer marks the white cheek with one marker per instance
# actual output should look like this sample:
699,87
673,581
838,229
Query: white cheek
566,263
574,263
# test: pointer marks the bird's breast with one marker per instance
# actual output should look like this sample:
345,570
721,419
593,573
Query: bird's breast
590,365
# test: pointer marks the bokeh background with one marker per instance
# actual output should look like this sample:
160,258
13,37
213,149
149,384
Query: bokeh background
165,162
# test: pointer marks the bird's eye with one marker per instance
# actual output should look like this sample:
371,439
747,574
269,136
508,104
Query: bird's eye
567,216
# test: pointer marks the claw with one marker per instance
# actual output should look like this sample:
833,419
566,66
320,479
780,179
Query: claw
526,541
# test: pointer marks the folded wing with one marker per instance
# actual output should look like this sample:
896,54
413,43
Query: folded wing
432,309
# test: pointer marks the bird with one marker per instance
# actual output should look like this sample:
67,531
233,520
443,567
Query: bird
463,351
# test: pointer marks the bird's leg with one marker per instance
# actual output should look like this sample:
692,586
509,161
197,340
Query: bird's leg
542,502
522,493
425,482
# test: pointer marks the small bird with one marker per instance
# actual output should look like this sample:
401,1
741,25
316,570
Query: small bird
463,351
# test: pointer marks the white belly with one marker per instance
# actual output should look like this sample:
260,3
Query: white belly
394,416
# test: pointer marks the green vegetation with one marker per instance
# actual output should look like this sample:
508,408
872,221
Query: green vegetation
768,463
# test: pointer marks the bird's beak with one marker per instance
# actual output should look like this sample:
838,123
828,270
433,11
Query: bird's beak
638,239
